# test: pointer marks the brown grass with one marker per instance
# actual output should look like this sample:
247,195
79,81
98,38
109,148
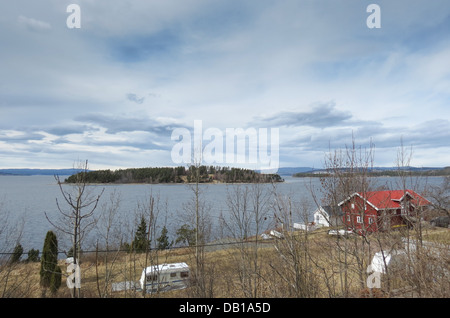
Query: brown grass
221,267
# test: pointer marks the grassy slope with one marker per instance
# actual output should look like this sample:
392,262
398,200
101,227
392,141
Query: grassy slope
221,263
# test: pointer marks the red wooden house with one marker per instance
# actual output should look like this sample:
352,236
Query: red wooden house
381,210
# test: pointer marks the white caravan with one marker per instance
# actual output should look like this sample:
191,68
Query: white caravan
164,277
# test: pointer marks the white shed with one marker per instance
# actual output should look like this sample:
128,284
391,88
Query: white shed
328,216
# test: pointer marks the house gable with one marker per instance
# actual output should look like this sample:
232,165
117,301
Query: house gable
325,215
355,197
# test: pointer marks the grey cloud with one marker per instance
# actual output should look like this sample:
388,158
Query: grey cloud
429,134
426,135
139,48
68,130
148,144
134,98
26,136
435,133
115,124
321,116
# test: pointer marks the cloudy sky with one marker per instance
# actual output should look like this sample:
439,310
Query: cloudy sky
114,90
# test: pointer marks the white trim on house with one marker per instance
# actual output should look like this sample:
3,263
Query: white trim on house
364,199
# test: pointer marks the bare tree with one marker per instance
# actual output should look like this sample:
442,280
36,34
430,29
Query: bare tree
151,210
11,284
348,172
295,266
246,218
77,219
197,213
427,259
440,197
109,228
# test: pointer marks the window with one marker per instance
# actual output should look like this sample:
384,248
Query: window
370,220
184,274
173,274
348,217
353,205
152,277
358,219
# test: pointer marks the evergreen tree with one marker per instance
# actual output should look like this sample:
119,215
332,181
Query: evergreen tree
17,254
55,280
141,243
33,255
163,240
186,235
50,272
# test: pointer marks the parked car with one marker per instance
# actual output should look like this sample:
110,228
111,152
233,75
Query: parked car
441,221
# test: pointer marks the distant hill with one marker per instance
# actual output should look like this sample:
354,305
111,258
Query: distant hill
388,171
33,172
289,171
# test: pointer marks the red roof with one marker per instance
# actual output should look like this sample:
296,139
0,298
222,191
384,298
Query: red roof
391,199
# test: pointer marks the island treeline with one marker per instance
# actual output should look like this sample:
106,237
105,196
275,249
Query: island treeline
393,172
204,174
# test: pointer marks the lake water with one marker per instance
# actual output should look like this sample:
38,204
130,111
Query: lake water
29,198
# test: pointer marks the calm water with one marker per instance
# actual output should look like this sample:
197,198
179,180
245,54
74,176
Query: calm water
28,198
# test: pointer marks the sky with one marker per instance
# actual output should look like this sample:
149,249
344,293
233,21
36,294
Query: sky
114,90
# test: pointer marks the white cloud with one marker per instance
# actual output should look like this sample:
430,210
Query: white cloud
33,24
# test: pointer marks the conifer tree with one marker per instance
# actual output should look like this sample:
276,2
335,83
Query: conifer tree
163,240
33,255
50,272
17,254
141,243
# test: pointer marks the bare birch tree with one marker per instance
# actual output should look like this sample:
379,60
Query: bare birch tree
197,213
109,229
294,267
11,284
77,218
244,221
348,172
427,273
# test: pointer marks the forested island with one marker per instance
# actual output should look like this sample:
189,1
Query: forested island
154,175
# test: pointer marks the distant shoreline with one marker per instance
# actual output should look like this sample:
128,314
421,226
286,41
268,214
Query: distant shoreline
416,172
290,171
37,172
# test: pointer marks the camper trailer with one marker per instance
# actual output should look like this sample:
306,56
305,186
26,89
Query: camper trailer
164,277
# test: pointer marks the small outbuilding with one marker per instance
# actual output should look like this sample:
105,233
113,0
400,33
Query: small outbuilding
328,216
